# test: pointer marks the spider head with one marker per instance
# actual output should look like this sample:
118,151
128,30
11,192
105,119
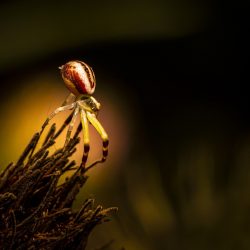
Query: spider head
94,105
78,77
90,104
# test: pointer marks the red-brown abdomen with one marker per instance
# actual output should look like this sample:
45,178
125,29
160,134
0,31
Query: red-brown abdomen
79,77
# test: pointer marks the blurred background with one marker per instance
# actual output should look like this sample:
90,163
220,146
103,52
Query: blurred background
173,83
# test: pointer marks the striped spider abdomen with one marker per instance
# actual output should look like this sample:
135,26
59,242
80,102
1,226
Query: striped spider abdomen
78,77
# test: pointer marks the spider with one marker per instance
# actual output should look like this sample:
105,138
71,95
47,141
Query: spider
79,78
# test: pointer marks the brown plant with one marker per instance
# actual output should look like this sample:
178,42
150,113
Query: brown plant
35,210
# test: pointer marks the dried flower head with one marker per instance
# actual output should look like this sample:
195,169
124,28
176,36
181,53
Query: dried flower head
35,211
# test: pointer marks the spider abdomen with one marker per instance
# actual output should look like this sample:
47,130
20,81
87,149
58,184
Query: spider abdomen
79,77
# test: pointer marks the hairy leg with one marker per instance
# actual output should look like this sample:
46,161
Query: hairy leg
105,140
71,125
85,129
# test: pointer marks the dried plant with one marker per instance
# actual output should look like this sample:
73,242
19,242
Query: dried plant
35,210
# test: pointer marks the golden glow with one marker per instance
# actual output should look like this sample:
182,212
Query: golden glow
28,108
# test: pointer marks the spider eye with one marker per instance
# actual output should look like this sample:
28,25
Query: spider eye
79,78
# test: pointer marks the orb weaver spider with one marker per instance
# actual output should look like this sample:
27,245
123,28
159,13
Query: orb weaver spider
79,78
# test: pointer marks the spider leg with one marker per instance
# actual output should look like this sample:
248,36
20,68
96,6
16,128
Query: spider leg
60,109
69,97
105,140
85,129
67,121
71,125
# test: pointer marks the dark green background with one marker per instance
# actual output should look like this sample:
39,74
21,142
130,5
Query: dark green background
186,64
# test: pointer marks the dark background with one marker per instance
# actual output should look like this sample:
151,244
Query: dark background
177,72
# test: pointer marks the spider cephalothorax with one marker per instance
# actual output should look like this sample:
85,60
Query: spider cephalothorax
79,78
